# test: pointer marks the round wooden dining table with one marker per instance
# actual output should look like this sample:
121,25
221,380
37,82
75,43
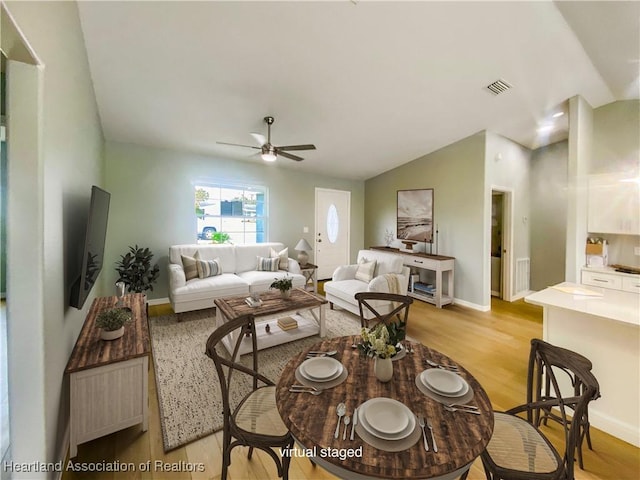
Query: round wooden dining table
312,419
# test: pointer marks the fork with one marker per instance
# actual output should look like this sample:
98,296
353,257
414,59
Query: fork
424,435
453,368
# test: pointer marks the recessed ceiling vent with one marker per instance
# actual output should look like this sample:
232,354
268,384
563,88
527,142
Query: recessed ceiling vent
498,87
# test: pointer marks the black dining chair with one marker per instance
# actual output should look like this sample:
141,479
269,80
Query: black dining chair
251,419
518,450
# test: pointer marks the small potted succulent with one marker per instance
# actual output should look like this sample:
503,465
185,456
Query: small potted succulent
112,322
283,284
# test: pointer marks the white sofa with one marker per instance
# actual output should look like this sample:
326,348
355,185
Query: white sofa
239,274
342,288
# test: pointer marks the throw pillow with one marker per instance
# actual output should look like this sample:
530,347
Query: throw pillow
268,264
365,270
283,255
189,266
208,268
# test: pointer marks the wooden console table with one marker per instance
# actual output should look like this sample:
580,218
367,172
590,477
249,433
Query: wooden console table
109,379
435,263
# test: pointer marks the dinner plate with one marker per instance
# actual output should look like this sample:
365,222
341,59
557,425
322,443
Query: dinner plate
321,369
391,420
444,383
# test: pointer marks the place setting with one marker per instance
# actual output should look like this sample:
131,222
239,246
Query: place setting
318,373
447,387
386,424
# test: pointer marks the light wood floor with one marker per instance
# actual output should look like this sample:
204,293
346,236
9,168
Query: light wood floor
493,346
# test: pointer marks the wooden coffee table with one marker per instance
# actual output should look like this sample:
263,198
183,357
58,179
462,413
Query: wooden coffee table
274,304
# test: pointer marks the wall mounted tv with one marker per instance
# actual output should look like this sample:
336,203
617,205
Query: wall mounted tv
93,248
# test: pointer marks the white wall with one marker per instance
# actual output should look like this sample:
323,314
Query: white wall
152,201
70,161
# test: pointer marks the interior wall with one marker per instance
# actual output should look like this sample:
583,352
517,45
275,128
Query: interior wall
548,214
616,148
508,167
152,201
456,174
57,198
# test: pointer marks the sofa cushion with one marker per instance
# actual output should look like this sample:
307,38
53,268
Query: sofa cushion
189,266
385,262
246,254
225,252
224,285
283,255
265,264
260,281
365,270
345,289
208,268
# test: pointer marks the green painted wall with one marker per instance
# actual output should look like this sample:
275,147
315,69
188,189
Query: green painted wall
152,201
457,175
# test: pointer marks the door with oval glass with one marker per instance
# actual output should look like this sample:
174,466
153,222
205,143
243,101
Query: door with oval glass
333,212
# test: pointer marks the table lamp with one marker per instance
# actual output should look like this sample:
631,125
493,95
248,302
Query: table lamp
302,247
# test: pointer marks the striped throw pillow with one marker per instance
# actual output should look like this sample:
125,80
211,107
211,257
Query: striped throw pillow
365,270
189,266
208,268
283,255
268,264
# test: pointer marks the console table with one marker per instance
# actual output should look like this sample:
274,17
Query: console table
109,378
435,263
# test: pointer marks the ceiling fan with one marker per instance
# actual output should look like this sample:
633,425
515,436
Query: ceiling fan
270,152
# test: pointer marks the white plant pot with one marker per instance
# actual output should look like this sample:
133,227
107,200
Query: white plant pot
285,293
113,334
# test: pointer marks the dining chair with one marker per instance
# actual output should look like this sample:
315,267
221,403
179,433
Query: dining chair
548,413
370,302
249,407
518,450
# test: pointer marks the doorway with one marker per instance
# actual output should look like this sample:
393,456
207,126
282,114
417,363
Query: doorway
332,230
501,243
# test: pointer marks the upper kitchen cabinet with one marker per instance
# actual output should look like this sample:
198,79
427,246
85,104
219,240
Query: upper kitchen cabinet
613,204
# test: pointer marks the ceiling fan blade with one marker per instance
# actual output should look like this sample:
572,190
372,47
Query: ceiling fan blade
239,145
259,138
288,155
297,147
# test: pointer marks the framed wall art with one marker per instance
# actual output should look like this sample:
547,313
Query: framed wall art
415,215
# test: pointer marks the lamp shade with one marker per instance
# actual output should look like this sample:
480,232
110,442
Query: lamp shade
303,245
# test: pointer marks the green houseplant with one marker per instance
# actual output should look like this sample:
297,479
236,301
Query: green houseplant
283,284
220,237
135,270
112,322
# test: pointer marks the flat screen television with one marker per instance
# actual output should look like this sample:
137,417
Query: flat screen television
93,248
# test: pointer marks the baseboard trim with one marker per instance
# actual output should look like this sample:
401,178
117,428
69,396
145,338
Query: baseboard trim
158,301
474,306
64,451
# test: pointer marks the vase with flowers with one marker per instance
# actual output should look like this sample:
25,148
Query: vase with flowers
379,344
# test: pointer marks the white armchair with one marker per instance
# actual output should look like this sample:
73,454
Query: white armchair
388,276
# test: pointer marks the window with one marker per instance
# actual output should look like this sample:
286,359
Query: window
228,212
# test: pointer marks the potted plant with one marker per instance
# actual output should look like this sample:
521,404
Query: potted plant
135,270
378,343
112,322
283,284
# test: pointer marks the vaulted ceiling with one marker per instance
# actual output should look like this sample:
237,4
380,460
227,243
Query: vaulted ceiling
372,84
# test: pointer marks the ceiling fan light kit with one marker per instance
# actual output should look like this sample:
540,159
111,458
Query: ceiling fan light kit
270,152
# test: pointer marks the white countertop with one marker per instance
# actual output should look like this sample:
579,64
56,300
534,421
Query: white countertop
611,304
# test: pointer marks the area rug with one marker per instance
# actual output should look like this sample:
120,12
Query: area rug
187,384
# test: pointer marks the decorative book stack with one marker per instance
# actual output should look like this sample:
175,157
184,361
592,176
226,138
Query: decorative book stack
287,323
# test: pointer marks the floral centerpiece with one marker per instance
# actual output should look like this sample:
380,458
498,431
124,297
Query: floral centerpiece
382,341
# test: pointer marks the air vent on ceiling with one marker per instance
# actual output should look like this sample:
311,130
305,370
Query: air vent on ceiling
498,87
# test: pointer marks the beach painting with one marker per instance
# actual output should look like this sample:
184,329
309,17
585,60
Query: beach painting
415,215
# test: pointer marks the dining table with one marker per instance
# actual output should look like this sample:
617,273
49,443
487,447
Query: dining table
460,436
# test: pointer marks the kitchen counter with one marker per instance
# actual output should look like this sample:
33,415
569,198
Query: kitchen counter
603,325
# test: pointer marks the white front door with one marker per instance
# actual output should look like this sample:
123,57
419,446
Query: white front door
333,218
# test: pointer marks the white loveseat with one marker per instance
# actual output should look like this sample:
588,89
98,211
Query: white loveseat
344,285
239,273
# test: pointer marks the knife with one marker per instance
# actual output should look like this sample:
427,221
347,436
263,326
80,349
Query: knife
355,422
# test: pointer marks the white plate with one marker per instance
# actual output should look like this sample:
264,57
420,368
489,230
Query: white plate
379,415
442,381
321,369
434,380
